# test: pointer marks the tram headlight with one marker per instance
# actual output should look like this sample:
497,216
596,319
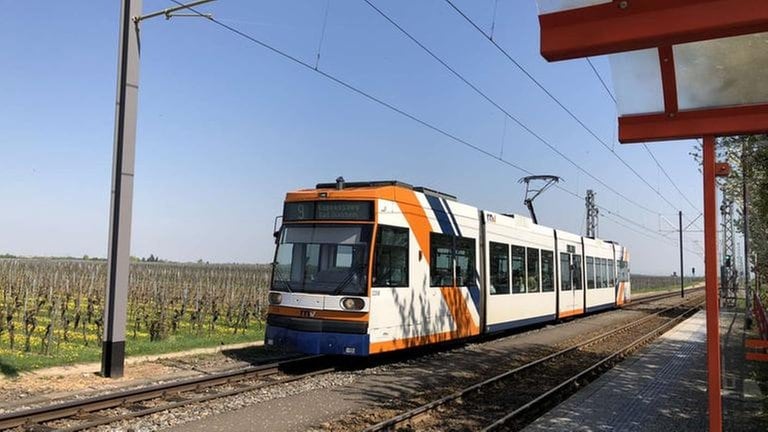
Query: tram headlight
275,298
352,303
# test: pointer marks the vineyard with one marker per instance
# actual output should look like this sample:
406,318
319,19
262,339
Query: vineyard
51,310
644,283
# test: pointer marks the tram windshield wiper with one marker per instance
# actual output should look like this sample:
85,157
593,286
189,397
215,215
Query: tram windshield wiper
278,277
353,272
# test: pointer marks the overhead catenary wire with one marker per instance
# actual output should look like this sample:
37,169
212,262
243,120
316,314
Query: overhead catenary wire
493,22
669,241
558,102
322,33
507,114
395,109
356,90
672,182
635,230
645,146
602,81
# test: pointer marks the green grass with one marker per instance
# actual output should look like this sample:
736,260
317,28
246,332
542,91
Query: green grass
14,362
648,283
660,288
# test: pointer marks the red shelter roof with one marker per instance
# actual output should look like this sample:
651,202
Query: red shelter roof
682,68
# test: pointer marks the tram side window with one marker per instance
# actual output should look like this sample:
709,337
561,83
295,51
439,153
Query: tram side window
499,262
598,272
590,273
465,262
577,277
533,269
441,260
612,273
599,277
606,282
547,271
518,269
565,272
619,271
390,268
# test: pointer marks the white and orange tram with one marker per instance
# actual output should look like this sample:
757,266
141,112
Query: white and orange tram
371,267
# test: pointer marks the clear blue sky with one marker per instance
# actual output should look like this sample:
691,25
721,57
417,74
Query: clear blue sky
227,127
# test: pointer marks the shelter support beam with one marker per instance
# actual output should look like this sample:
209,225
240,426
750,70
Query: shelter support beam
741,120
121,205
710,270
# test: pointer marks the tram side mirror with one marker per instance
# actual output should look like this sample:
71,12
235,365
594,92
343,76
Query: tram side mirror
275,229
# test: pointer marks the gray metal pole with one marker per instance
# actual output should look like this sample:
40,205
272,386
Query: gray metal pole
169,11
118,260
745,212
682,274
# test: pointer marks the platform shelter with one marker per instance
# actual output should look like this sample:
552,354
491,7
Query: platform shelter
682,69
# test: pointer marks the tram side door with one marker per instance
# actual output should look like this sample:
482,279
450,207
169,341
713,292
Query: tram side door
577,270
571,282
566,284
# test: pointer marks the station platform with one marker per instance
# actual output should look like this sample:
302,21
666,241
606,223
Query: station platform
663,387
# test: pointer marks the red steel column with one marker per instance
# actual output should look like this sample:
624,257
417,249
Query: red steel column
710,271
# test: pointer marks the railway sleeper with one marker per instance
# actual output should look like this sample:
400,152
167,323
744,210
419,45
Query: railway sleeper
175,397
135,407
88,416
37,427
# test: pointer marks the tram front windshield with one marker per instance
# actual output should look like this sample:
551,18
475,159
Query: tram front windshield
322,259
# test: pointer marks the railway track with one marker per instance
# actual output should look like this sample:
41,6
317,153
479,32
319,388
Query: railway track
513,398
654,297
109,408
113,407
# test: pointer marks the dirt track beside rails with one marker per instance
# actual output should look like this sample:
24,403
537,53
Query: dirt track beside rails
79,381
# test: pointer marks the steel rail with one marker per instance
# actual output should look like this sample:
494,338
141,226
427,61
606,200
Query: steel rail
177,404
84,408
650,298
618,353
391,423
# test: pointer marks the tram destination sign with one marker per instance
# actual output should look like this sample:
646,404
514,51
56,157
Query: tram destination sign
328,210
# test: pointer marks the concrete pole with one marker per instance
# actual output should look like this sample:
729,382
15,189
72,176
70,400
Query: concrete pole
118,260
710,273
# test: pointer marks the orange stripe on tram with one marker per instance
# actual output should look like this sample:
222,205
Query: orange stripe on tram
319,314
457,305
411,342
453,296
417,219
620,297
570,313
